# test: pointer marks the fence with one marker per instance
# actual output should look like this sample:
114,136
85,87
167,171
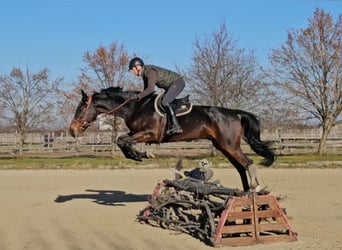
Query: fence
285,141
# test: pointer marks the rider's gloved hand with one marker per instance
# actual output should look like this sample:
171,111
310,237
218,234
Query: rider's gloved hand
138,98
134,97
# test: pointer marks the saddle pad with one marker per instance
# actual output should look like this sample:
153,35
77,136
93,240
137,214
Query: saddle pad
182,108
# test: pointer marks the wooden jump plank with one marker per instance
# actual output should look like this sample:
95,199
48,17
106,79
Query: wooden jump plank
243,222
233,229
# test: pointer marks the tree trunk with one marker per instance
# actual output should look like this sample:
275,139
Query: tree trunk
114,135
326,127
21,143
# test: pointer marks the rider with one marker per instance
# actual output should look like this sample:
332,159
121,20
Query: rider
166,79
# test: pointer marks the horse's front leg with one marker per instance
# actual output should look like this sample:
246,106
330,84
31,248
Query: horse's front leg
126,144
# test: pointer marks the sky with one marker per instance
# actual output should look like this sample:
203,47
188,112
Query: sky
56,33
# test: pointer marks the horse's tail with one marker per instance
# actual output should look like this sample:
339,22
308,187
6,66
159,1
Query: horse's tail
251,127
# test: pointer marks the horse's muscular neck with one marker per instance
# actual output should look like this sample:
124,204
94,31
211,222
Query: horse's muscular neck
123,112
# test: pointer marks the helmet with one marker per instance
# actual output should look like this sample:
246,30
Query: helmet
135,62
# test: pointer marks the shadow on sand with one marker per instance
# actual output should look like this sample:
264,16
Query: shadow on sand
105,197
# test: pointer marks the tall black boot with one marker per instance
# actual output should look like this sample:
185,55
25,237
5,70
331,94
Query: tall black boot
174,127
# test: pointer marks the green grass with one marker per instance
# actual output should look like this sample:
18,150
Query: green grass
106,162
308,158
82,162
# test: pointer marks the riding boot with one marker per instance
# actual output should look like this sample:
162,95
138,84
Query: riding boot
174,127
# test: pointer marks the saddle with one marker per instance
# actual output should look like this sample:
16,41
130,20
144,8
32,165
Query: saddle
181,106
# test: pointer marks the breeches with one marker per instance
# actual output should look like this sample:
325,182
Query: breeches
174,90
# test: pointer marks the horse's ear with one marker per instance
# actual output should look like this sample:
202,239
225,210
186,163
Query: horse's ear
84,96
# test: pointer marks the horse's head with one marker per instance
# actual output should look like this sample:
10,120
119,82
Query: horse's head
85,114
107,101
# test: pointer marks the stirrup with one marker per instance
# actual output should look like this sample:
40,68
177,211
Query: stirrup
174,130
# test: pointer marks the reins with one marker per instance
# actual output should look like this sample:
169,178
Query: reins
87,124
117,107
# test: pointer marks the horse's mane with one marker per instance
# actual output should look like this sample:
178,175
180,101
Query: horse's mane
113,92
116,92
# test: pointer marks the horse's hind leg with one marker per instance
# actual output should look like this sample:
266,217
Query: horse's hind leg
242,172
242,164
251,169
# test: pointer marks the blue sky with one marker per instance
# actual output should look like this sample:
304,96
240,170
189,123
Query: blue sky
55,34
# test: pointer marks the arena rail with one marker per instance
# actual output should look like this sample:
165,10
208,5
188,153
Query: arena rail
285,142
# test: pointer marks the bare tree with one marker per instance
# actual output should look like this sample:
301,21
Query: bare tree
222,74
107,67
308,66
67,101
27,100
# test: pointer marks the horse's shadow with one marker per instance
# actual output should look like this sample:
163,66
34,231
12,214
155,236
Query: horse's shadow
105,197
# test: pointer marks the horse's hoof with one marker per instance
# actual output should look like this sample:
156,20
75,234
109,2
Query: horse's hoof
150,155
256,189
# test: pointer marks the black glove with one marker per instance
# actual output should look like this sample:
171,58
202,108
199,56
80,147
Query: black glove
134,97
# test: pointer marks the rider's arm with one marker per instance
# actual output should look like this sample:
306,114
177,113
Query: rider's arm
151,76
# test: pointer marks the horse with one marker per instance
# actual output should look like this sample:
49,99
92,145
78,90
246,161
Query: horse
224,127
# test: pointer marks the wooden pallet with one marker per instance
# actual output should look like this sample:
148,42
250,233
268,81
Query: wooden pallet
249,221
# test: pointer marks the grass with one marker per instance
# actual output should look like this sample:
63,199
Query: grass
106,162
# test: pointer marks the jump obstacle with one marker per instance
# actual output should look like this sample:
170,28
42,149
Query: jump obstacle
252,220
217,215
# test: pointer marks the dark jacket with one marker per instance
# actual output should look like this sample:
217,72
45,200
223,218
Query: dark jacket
156,76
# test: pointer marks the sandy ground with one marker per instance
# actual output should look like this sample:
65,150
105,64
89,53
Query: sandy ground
98,209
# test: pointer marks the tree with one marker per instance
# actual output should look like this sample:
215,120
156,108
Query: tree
308,67
67,101
27,100
106,67
222,74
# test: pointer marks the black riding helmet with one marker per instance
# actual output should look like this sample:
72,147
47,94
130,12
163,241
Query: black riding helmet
135,62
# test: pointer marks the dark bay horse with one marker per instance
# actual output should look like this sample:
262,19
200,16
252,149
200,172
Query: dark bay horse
224,127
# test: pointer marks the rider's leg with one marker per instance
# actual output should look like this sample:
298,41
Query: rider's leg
170,95
175,128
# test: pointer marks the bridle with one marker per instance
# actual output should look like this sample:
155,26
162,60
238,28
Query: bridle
84,123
